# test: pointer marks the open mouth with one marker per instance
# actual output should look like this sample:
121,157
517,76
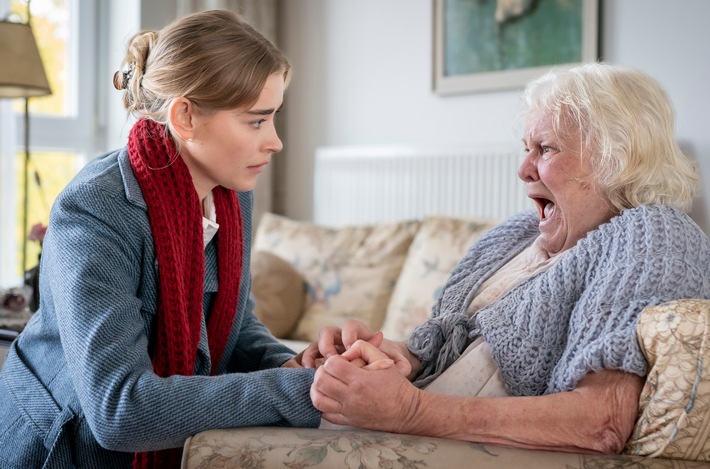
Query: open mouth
545,208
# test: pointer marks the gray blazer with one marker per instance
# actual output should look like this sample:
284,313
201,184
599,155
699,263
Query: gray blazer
78,386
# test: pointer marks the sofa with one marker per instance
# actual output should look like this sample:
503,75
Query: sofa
388,275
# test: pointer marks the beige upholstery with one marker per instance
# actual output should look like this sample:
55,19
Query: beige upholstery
304,448
278,289
674,408
349,271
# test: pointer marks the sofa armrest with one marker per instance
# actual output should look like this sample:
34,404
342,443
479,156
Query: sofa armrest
674,406
266,447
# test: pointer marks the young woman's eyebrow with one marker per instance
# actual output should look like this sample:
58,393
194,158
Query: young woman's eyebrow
263,112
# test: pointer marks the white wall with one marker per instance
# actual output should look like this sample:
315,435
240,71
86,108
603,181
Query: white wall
121,20
669,40
362,75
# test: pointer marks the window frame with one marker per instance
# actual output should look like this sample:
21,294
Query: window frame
78,133
75,133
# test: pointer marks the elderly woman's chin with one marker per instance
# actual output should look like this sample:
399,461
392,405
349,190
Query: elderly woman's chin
553,236
560,232
552,228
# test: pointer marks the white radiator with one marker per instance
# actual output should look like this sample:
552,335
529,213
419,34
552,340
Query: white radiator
367,184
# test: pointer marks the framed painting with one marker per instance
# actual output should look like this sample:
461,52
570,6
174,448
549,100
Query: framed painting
488,45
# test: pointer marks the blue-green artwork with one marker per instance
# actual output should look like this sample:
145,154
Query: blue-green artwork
496,35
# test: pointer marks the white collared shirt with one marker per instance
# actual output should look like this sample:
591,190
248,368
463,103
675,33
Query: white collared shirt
209,219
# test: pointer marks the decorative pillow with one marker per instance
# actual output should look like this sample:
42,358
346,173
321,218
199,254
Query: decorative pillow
674,408
438,247
279,292
350,272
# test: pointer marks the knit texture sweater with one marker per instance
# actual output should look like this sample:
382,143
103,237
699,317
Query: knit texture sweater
175,215
578,316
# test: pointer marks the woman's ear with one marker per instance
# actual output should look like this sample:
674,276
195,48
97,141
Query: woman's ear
182,117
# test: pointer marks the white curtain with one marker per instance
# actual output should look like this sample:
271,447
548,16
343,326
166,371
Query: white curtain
263,15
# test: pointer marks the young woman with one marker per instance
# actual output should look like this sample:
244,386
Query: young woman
145,332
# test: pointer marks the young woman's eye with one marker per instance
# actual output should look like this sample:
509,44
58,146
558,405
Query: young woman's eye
257,124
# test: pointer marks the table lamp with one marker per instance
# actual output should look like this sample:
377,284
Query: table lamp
21,76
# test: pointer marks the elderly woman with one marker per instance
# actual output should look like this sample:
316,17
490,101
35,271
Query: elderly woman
549,298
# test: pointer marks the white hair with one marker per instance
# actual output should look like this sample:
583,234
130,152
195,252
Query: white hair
626,124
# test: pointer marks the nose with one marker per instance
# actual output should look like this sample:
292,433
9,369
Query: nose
527,171
273,143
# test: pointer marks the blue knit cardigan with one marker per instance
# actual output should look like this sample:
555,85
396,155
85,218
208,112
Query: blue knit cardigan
78,385
580,315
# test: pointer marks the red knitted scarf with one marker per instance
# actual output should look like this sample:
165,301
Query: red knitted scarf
175,214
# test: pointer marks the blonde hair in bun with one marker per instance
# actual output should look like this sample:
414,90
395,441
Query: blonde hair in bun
213,58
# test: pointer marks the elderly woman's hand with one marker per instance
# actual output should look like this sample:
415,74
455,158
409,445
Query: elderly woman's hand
379,399
598,416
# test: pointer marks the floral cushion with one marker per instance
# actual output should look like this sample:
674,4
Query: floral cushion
350,271
674,408
438,247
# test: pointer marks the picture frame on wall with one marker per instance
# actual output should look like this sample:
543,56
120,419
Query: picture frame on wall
491,45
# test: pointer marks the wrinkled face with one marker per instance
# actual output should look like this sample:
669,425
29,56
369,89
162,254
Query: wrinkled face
569,203
231,148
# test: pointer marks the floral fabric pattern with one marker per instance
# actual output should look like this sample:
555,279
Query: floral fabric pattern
297,448
350,271
674,420
437,248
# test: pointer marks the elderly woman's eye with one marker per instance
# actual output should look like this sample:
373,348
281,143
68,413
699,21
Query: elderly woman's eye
547,151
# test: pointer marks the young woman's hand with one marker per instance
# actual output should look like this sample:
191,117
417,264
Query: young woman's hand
334,341
292,363
365,355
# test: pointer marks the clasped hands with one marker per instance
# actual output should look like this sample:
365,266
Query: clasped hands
359,345
361,378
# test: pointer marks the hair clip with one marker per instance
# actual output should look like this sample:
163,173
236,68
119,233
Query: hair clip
123,84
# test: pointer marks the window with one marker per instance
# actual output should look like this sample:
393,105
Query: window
63,126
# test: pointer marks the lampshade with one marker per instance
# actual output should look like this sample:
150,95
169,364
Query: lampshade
21,73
